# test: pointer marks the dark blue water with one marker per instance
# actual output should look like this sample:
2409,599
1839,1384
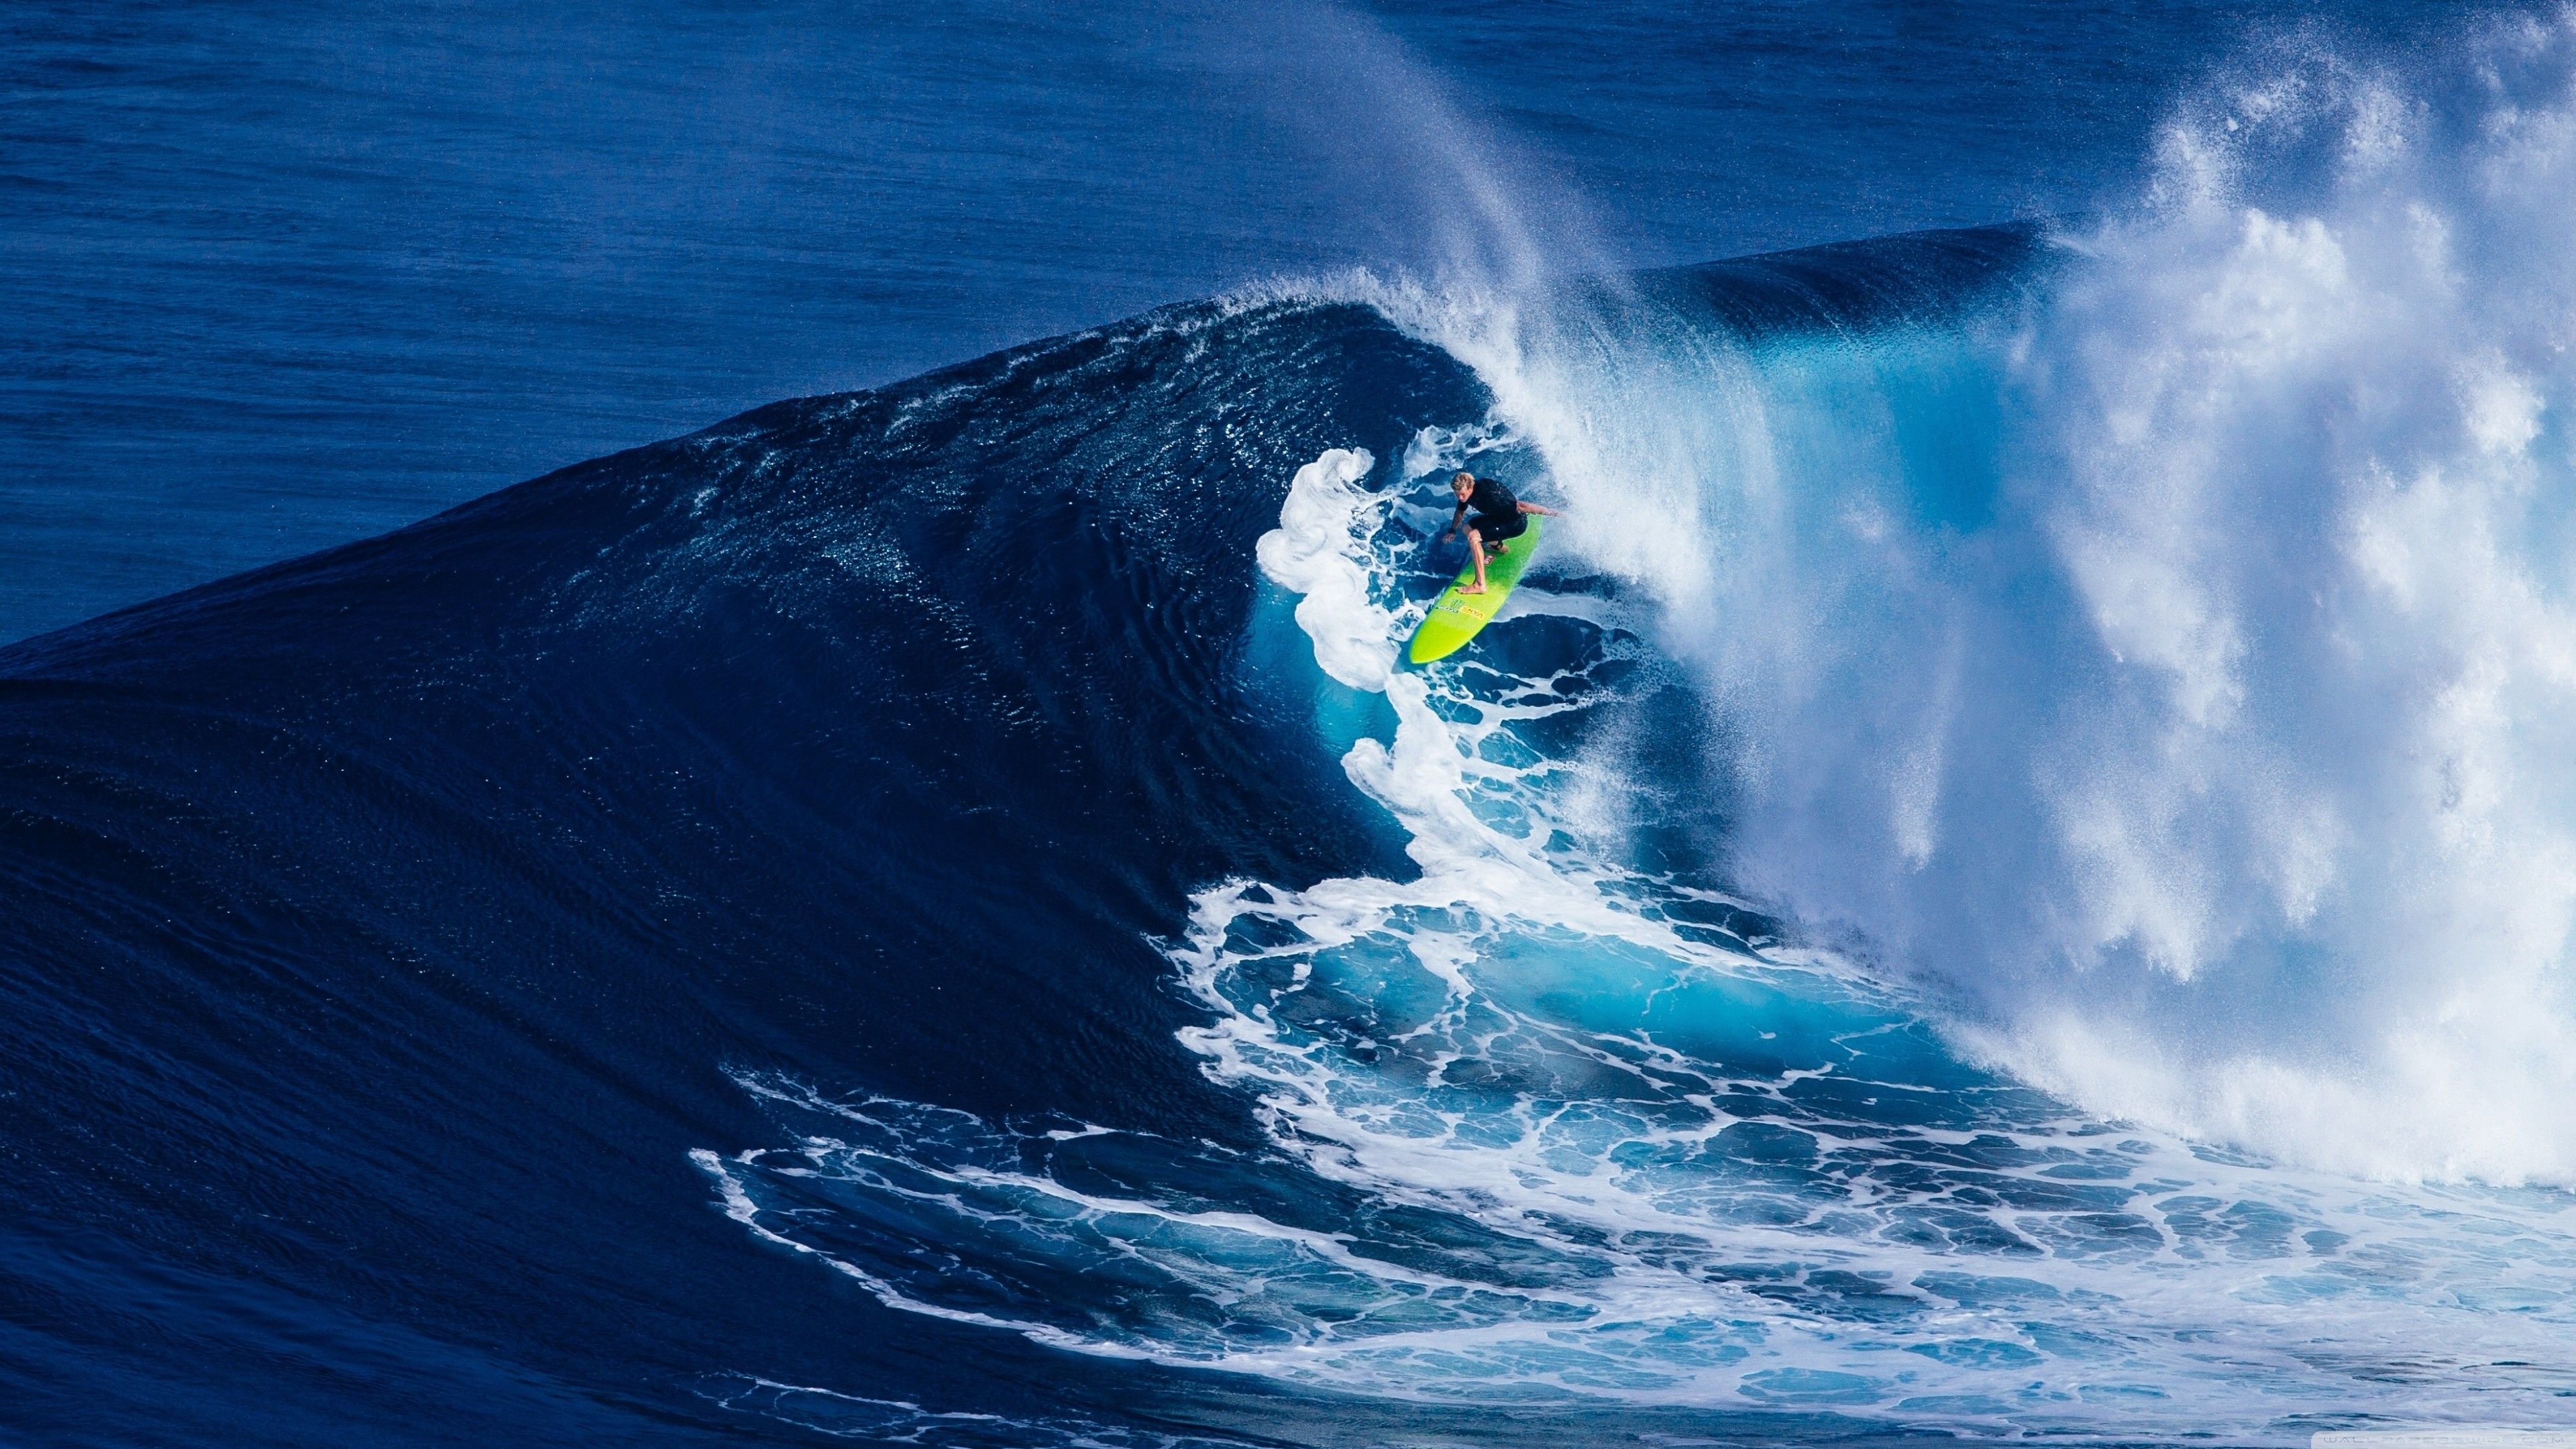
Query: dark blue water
920,915
277,278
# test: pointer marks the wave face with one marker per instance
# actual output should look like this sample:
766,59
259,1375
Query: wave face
2005,874
384,925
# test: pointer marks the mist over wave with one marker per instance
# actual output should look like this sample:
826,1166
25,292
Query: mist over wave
2172,659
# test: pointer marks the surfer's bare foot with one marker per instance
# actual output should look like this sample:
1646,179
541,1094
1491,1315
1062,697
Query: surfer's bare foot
1473,589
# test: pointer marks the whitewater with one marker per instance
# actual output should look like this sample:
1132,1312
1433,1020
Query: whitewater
2012,869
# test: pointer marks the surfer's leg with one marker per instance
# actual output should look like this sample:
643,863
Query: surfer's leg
1476,547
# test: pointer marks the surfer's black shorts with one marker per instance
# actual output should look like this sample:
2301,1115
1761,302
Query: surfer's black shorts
1494,528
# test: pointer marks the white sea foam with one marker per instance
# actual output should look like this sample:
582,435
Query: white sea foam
1310,554
1537,948
2198,707
1610,1152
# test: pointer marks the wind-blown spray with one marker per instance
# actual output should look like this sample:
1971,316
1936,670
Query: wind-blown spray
2177,663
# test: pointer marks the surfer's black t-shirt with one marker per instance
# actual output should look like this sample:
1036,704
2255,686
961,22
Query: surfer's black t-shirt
1493,499
1498,513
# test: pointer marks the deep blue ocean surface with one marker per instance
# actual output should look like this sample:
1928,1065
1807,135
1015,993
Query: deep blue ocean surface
278,277
2009,874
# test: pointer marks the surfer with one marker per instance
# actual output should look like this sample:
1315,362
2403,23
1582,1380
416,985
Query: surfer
1498,520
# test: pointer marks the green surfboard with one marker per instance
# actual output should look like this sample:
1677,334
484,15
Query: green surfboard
1456,615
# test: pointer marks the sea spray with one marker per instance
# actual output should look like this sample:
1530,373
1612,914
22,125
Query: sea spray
2171,664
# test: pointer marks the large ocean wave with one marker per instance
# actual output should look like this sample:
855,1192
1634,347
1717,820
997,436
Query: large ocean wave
2130,658
2010,869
